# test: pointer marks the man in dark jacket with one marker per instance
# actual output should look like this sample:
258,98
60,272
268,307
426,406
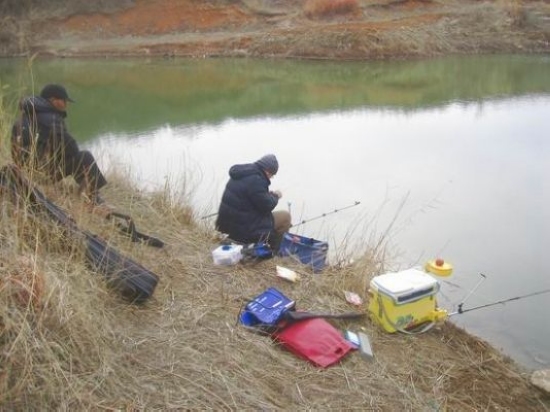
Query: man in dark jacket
40,140
246,210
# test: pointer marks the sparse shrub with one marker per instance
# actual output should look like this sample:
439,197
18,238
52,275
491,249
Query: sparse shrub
22,284
11,39
327,8
56,8
518,14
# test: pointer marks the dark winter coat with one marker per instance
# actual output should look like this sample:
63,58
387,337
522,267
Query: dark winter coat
44,125
41,136
246,206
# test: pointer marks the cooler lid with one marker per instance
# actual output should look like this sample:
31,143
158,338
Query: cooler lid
405,282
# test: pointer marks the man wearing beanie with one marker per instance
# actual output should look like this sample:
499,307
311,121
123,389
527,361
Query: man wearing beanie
40,139
246,210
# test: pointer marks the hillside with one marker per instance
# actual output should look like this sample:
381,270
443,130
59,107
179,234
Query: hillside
321,29
70,343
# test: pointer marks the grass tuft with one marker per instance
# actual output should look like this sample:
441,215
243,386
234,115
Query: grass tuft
329,8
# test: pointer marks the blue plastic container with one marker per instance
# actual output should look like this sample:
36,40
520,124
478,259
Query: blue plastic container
266,308
309,251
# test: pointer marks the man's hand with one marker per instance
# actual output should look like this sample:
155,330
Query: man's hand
277,193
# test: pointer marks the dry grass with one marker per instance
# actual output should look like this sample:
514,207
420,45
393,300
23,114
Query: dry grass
328,8
67,342
18,16
475,27
319,29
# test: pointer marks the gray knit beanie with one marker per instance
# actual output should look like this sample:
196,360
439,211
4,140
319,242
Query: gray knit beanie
269,163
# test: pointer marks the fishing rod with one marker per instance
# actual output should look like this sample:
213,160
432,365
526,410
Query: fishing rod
303,221
483,277
209,216
460,310
326,214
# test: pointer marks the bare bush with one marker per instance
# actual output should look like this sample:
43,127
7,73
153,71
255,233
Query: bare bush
12,36
327,8
54,8
14,7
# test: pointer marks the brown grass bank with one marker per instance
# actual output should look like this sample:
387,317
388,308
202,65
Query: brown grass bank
69,343
320,29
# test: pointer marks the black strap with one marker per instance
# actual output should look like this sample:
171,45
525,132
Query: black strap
130,230
296,316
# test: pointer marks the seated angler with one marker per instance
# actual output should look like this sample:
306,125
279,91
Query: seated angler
246,211
40,140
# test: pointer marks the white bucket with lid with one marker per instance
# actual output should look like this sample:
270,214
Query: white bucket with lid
227,254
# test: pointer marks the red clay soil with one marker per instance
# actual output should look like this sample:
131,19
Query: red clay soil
154,17
284,28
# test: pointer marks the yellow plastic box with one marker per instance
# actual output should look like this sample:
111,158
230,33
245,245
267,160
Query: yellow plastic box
403,300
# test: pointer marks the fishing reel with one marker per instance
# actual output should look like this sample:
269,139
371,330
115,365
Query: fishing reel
260,250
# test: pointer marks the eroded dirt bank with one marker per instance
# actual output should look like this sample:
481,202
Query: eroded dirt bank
374,29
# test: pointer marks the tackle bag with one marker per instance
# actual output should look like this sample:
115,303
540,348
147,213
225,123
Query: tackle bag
309,251
315,340
129,278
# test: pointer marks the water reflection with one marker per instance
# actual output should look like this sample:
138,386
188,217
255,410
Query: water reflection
133,96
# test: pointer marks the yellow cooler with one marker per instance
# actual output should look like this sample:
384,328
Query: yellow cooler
401,301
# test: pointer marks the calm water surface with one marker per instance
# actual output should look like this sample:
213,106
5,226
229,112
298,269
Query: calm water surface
447,157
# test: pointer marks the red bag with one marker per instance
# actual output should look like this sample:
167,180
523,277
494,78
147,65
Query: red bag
315,340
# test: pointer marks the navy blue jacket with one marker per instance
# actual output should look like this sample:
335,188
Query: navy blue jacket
246,206
40,120
42,124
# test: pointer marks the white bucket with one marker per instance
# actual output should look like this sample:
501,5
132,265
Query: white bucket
227,254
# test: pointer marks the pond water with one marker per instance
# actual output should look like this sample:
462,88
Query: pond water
447,158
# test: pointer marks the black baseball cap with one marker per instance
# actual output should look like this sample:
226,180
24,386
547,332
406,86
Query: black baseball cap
55,90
